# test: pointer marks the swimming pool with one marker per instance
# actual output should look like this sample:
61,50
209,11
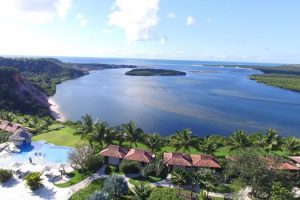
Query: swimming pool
41,153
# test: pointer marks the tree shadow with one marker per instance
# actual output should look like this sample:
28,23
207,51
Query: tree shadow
45,193
10,183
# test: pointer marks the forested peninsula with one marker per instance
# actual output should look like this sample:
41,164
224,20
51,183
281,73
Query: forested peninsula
25,83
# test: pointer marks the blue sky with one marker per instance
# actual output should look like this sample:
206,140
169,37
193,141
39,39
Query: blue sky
231,30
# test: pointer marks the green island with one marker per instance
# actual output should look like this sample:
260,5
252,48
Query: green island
154,72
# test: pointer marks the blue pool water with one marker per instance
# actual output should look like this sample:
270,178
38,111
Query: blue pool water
42,151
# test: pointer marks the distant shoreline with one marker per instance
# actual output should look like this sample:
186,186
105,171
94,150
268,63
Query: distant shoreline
55,110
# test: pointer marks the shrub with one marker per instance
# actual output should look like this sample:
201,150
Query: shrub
5,175
98,195
142,191
164,193
94,163
33,180
116,187
111,169
129,167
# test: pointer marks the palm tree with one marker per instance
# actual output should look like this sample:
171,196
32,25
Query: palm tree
178,178
133,134
292,144
87,124
203,177
184,140
153,141
238,140
119,135
102,134
272,141
141,192
157,166
257,139
208,146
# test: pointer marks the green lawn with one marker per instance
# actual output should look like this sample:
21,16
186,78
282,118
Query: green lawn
62,137
140,180
90,189
76,177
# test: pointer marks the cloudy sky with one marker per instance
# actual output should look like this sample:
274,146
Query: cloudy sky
237,30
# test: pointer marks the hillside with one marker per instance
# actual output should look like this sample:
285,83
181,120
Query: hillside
20,95
44,73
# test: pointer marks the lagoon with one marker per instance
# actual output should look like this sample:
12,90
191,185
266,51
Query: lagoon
209,99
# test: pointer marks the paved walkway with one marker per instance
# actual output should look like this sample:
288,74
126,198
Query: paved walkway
99,174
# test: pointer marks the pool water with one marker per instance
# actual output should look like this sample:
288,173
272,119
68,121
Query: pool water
42,152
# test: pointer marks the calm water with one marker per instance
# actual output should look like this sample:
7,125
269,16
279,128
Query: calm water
208,100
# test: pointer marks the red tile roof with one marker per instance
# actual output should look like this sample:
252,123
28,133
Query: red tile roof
114,151
9,126
12,127
288,166
204,161
3,124
139,155
180,159
295,158
177,159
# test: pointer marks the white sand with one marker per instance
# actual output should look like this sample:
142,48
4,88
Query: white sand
55,110
16,189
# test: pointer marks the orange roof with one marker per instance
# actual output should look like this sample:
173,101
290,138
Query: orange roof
288,166
12,127
114,151
177,159
3,124
139,155
204,161
295,158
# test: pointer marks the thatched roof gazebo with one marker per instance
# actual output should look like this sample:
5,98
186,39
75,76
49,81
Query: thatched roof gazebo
20,137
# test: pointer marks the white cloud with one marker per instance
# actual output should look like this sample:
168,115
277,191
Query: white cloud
83,21
137,18
107,31
190,21
171,15
34,11
163,40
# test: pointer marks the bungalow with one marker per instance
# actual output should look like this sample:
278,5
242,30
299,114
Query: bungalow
185,161
295,160
177,160
206,161
140,156
20,137
9,126
113,154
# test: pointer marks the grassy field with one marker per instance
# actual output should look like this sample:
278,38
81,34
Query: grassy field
140,180
62,137
284,81
76,177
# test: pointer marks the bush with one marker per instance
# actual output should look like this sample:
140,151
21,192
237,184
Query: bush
129,167
98,195
111,169
33,180
164,193
94,163
5,175
116,187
